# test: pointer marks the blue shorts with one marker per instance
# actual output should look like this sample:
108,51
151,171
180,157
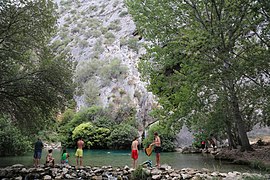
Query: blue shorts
37,154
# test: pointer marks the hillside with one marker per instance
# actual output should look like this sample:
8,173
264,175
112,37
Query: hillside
101,37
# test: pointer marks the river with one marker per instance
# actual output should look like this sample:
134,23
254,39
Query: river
121,158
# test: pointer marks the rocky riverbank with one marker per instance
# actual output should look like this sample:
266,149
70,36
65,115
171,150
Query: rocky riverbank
20,172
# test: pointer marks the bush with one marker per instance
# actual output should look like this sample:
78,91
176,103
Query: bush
12,141
92,136
91,92
140,174
70,121
122,136
113,70
115,25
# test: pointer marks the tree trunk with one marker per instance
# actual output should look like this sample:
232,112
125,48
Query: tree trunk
239,122
230,136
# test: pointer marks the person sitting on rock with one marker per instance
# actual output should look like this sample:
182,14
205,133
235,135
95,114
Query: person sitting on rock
49,158
64,157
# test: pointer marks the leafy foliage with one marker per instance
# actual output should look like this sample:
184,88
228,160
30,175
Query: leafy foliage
12,141
122,136
208,58
92,135
140,174
35,83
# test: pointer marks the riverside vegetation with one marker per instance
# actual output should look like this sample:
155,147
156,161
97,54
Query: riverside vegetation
207,62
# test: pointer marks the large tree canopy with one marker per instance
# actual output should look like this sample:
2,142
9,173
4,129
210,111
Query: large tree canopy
208,61
34,81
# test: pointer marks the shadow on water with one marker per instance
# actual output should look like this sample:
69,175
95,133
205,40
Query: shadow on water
120,158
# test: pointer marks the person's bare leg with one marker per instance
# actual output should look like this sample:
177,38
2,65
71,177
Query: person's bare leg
133,163
158,159
77,161
81,161
35,162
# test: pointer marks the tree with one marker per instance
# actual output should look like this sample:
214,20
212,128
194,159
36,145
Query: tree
208,56
35,82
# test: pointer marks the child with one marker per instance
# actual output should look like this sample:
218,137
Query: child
64,157
49,158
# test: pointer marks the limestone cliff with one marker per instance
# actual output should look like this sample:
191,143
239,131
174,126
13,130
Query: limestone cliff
101,36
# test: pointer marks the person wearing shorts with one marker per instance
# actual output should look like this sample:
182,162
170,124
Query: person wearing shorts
157,148
134,151
38,152
79,152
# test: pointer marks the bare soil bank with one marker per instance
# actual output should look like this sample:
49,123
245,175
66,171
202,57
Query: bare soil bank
258,158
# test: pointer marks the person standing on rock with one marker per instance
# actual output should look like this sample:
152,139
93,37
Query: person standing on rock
37,152
79,152
157,148
134,151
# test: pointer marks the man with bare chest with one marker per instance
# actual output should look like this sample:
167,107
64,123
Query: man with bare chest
134,151
157,148
79,151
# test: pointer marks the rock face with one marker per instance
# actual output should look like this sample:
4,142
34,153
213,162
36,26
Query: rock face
101,36
109,173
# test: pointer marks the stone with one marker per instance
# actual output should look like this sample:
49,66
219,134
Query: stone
156,171
215,174
19,178
68,176
58,177
47,177
175,175
156,177
186,176
17,166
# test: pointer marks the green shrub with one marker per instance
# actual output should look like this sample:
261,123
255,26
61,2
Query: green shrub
140,174
91,9
67,116
96,33
110,38
83,43
104,121
93,23
113,70
12,141
75,30
98,46
109,35
85,70
93,137
123,13
115,25
65,2
84,131
91,92
122,136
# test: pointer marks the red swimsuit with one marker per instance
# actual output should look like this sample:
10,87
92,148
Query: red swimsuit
134,154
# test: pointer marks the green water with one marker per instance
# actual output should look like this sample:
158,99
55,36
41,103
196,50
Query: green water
122,158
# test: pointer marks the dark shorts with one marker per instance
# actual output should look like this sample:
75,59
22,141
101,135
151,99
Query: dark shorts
37,154
157,149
